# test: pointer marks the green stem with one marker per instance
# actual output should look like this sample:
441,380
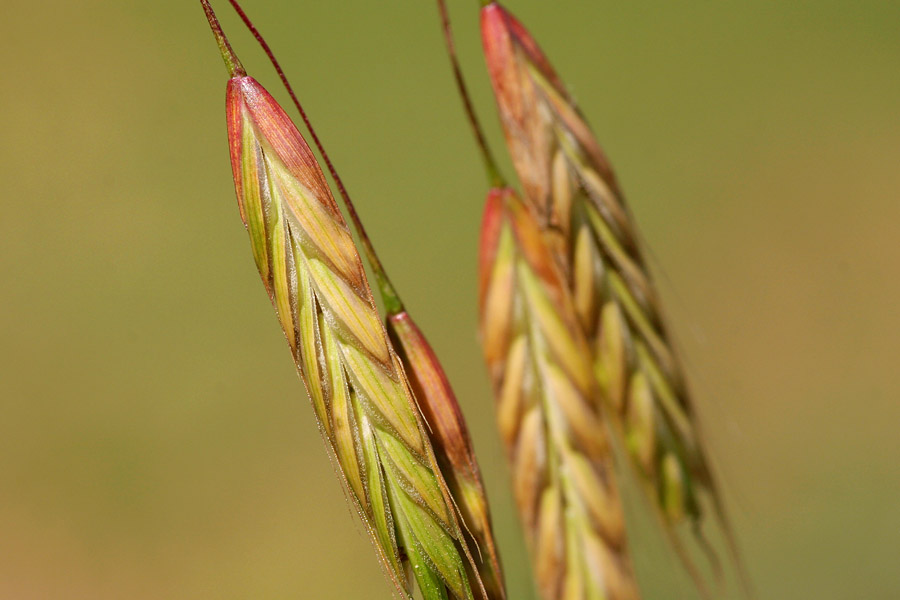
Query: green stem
232,63
392,303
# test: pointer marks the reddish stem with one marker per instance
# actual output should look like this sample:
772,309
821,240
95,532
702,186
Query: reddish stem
490,164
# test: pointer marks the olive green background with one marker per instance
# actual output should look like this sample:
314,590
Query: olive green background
154,439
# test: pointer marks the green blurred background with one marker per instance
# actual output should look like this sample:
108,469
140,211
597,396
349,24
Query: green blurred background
154,439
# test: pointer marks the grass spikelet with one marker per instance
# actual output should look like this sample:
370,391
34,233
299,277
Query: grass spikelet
538,359
446,426
571,186
361,397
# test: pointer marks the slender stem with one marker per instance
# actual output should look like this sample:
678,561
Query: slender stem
490,165
392,303
232,63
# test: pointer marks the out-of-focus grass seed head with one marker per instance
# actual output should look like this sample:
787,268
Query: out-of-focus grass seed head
570,185
555,440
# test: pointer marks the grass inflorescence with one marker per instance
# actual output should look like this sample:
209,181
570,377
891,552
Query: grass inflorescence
360,393
571,188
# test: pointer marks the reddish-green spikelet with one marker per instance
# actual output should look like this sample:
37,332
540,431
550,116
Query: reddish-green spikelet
553,430
363,404
570,184
312,272
452,444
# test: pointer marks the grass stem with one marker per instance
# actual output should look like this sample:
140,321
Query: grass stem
490,165
232,63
